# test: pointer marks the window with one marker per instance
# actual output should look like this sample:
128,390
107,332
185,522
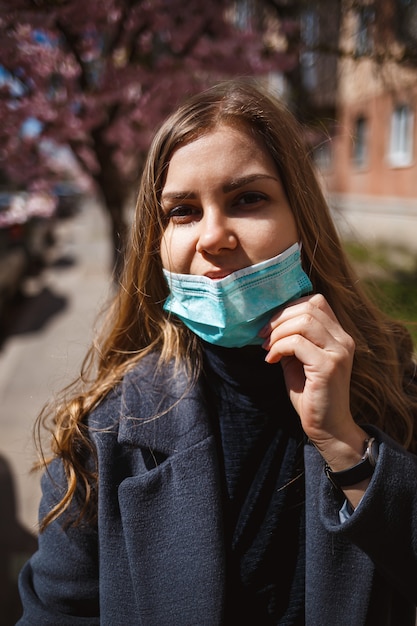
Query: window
242,15
308,58
401,137
363,36
360,152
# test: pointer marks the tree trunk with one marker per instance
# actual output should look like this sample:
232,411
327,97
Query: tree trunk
114,188
118,236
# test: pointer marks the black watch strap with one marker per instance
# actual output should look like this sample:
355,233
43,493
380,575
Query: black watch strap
361,471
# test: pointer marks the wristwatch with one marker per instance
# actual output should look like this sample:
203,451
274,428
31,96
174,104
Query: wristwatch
362,470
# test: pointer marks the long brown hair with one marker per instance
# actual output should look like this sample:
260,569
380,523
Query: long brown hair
383,383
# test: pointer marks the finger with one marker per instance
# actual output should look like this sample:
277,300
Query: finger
316,348
311,323
305,325
313,307
308,353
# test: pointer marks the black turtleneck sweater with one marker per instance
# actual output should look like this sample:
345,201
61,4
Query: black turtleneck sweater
261,445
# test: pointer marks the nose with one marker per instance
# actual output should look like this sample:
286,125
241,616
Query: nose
216,233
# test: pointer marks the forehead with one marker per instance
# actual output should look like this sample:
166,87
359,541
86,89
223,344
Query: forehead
223,150
229,127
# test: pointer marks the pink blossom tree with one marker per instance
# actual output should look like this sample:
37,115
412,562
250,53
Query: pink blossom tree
97,76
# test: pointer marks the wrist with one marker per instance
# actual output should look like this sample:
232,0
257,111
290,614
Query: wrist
360,471
343,449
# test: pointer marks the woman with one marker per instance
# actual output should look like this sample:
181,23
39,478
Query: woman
241,446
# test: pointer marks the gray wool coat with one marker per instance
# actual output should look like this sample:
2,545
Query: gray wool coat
156,557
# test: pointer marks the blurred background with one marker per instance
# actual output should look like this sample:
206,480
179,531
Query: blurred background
83,86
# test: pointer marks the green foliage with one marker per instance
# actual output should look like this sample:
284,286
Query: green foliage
389,275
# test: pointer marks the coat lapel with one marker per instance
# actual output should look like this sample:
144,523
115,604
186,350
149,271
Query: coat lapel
170,504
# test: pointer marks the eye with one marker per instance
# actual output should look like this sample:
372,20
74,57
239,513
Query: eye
182,214
250,197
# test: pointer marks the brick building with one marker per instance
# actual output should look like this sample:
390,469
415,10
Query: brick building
373,149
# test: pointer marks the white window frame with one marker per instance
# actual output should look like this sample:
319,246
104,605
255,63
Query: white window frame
401,144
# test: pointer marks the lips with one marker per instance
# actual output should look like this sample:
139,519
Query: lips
218,275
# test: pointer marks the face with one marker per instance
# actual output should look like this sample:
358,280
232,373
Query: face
225,206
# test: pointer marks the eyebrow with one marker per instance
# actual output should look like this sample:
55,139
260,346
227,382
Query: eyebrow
245,180
236,183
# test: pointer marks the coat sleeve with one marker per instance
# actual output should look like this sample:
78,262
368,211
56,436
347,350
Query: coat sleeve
59,584
384,525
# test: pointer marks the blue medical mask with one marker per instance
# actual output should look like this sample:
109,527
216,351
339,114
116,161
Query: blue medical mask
231,311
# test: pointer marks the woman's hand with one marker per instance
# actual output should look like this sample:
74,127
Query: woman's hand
316,355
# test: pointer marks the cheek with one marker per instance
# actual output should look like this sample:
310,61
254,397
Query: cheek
270,240
283,235
176,252
165,252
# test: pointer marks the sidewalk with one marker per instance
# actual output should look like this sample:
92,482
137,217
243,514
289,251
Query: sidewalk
49,332
50,335
372,219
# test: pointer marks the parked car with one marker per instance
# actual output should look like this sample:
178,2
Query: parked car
40,210
68,197
13,259
26,231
